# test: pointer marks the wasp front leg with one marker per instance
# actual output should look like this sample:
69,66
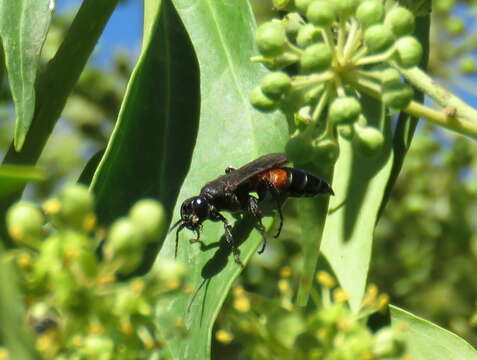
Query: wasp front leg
197,239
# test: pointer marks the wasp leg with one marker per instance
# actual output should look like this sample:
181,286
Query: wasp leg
229,169
181,226
269,187
228,236
252,207
197,239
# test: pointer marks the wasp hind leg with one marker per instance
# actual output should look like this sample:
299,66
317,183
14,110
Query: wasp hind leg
252,207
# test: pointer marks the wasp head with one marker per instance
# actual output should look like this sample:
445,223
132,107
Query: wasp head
194,211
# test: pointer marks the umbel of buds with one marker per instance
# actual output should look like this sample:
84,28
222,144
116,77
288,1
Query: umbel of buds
324,55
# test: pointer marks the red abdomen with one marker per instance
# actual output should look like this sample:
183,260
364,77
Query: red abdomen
278,177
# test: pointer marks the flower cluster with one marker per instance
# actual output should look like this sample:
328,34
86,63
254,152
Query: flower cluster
325,55
76,303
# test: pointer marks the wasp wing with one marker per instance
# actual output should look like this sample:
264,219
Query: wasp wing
229,182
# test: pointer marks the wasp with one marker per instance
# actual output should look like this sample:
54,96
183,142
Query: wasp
232,192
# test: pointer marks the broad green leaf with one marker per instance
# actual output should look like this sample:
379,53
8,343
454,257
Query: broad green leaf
12,177
58,79
23,28
230,133
426,340
150,149
406,124
359,183
13,333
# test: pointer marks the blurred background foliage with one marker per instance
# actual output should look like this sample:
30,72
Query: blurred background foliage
425,249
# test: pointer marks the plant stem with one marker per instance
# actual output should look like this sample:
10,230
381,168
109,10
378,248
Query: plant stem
445,98
320,106
328,36
341,39
376,58
441,118
351,40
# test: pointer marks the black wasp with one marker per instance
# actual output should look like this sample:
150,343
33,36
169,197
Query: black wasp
232,192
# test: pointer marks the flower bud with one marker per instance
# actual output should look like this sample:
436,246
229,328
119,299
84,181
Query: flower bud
368,140
281,4
302,5
321,13
271,38
346,8
293,23
370,12
378,38
326,151
76,206
97,346
25,223
467,65
307,35
388,344
275,84
125,236
316,58
166,270
299,149
344,110
262,102
400,20
455,26
397,96
150,217
390,76
409,51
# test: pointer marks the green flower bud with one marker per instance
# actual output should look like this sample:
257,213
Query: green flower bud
455,26
300,149
78,253
326,151
444,5
302,5
346,131
150,217
400,20
281,4
293,23
97,346
76,207
262,102
307,35
378,37
344,110
390,76
321,13
125,237
293,101
409,51
167,270
370,12
368,140
388,344
275,84
316,58
25,223
271,38
468,65
398,96
333,314
346,8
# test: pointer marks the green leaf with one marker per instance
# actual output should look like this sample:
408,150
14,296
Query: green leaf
150,149
359,183
232,133
426,340
23,28
12,177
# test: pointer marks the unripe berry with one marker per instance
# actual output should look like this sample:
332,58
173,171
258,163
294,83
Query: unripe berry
398,95
316,58
149,215
302,5
281,4
124,238
455,26
293,23
321,13
275,84
344,110
271,38
262,102
409,51
299,149
370,12
400,20
307,35
368,140
76,206
25,223
390,76
467,65
326,151
346,8
378,37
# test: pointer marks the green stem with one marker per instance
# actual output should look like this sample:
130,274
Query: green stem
320,106
442,118
329,39
376,58
445,98
359,54
304,81
352,39
341,39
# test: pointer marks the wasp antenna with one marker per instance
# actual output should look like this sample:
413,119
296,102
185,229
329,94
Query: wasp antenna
177,238
174,226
